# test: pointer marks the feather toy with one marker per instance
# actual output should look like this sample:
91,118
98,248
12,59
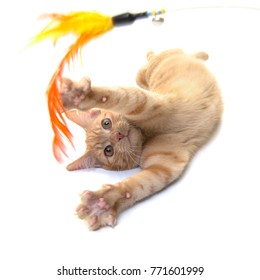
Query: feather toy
85,26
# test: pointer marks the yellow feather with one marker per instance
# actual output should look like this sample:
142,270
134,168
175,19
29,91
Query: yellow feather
77,23
85,26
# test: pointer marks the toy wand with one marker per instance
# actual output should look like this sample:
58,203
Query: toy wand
85,26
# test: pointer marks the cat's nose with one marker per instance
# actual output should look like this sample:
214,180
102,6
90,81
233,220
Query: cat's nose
119,136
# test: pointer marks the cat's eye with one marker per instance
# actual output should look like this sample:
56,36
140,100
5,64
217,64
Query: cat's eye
109,151
106,123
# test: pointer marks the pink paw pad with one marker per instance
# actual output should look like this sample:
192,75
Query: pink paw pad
103,204
77,100
127,195
104,99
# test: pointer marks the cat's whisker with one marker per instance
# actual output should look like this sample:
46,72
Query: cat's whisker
132,155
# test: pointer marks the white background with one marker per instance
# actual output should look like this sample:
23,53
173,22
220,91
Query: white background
209,218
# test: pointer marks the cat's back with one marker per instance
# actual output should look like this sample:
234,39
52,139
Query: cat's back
190,94
179,73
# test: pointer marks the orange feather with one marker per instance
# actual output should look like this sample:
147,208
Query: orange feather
86,26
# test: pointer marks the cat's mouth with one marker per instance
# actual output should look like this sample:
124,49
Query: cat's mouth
128,136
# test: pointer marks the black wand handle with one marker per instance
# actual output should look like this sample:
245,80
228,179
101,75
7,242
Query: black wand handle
128,18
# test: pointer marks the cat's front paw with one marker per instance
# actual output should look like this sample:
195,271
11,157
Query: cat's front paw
73,93
100,208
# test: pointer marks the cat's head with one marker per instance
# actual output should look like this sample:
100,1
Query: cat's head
113,143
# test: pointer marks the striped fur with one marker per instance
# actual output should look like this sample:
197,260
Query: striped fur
157,126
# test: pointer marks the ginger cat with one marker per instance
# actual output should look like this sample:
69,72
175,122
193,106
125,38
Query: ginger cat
158,127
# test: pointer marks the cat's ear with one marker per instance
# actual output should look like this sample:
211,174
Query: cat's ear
83,119
88,160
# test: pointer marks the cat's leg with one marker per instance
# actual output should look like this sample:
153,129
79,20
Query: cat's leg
153,60
141,74
161,166
134,103
201,55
